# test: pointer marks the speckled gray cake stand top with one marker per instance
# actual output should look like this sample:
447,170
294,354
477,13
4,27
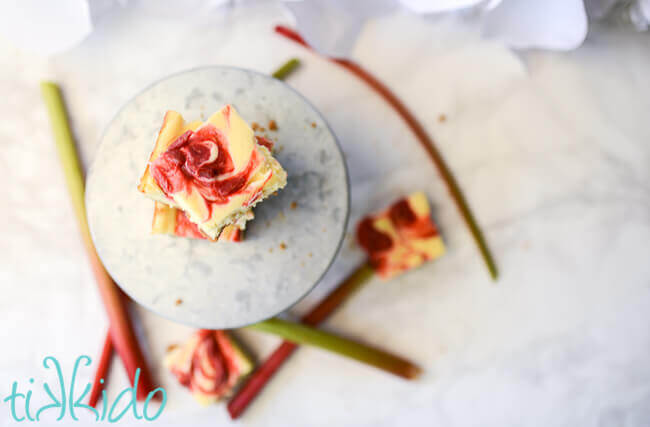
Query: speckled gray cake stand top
287,248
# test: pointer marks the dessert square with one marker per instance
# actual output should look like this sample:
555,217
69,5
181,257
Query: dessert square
214,171
401,237
210,364
173,221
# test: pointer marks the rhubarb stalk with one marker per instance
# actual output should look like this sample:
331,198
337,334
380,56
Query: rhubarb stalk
122,334
424,139
303,334
286,69
102,370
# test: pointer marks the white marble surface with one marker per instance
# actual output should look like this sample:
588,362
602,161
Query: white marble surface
551,150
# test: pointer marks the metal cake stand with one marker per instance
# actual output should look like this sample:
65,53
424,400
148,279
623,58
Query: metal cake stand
288,246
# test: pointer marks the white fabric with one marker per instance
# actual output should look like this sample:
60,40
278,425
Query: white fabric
332,26
46,27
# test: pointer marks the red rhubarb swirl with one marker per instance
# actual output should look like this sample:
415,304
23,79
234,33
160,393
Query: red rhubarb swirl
201,160
399,238
206,365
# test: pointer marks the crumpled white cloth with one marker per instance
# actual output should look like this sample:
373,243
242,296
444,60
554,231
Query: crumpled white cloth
548,24
332,26
45,27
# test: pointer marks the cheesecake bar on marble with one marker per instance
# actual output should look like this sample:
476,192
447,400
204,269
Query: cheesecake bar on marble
210,364
401,237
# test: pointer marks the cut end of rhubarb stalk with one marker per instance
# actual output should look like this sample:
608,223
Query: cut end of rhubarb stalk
286,69
413,372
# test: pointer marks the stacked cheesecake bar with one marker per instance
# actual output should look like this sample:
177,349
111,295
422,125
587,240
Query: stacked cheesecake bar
206,177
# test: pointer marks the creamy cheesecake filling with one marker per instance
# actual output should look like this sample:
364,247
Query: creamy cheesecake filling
173,221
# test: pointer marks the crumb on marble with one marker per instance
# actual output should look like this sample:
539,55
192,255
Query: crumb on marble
283,245
178,301
273,125
293,205
255,126
310,255
442,118
313,124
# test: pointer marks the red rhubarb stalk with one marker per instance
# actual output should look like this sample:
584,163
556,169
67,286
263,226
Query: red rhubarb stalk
102,370
424,139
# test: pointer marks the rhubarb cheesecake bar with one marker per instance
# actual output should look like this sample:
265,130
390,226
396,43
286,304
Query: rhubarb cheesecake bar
215,172
210,364
401,237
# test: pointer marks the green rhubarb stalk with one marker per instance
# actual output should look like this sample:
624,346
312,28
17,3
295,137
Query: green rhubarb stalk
303,334
122,332
67,153
288,68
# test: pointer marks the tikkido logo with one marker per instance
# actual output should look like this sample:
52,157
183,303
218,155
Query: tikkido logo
60,400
